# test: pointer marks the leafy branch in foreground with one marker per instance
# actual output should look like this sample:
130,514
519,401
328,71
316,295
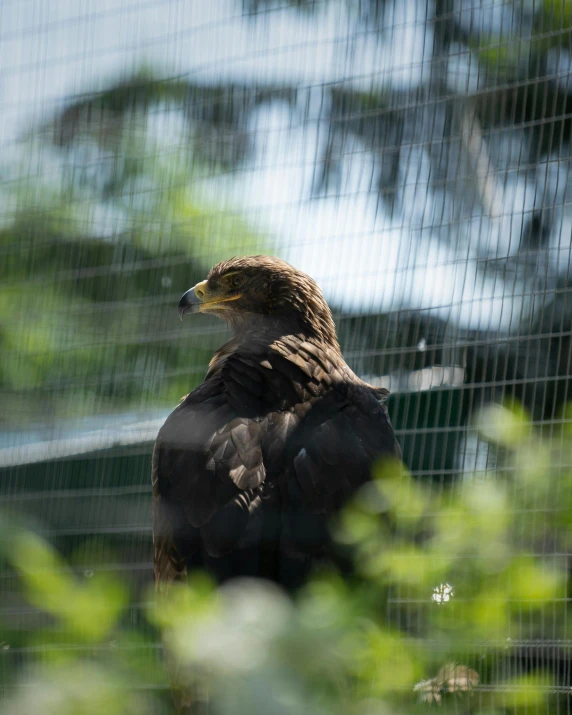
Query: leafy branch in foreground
448,586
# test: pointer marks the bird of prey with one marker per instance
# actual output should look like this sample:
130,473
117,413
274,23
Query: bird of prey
250,466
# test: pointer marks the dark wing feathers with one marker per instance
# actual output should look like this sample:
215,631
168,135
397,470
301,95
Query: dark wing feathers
227,525
282,429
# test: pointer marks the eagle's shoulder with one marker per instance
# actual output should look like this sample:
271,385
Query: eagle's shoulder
287,413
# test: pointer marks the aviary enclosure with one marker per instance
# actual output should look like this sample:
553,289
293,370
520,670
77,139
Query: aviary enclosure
414,158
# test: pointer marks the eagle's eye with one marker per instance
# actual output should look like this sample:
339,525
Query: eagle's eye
236,280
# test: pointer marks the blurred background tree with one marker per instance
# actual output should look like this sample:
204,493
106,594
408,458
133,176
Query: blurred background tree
104,234
117,194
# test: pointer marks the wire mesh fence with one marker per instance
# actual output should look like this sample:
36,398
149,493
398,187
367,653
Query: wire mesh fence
413,157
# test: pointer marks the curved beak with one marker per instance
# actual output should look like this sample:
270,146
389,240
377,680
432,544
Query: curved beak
192,299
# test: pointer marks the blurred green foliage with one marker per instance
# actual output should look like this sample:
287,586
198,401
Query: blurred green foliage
98,240
447,583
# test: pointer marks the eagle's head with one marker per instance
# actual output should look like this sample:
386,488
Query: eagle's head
252,291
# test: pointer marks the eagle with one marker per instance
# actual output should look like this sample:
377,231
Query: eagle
252,464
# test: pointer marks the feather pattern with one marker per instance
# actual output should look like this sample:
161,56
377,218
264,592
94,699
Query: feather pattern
252,463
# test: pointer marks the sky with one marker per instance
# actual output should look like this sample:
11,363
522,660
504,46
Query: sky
365,260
